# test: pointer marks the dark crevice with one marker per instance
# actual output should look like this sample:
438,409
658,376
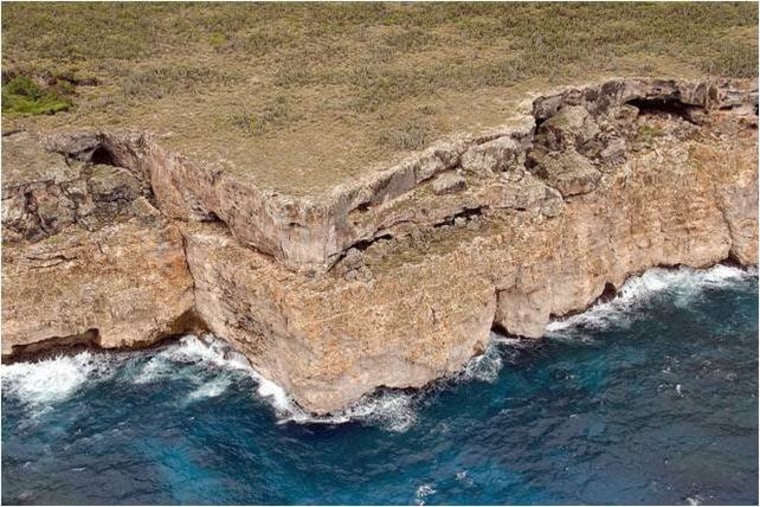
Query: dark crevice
732,260
102,156
467,214
366,243
662,106
54,346
608,294
526,342
361,246
187,323
212,217
499,328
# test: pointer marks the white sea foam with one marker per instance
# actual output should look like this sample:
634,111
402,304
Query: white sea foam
464,478
684,285
695,500
190,350
43,383
211,389
392,410
485,367
276,395
423,492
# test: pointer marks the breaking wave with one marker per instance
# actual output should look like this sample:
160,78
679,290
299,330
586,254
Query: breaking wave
208,363
423,492
43,383
683,286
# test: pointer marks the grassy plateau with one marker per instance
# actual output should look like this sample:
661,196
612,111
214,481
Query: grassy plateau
300,97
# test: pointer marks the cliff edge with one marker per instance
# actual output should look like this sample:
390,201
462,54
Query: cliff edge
111,240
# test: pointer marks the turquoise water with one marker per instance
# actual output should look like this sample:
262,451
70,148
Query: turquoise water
651,398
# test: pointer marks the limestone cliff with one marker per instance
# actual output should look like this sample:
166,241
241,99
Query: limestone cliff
395,280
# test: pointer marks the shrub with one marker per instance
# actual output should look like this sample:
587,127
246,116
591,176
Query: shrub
22,96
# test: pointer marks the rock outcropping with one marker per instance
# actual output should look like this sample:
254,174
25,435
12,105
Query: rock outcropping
110,240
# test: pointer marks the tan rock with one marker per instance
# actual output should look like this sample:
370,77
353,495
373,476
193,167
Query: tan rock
128,282
86,258
569,172
374,284
448,183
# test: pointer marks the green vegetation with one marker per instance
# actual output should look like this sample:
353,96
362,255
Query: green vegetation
353,75
409,136
647,133
22,96
269,116
157,82
732,60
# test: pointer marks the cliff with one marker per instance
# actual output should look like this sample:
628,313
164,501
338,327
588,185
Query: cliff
393,280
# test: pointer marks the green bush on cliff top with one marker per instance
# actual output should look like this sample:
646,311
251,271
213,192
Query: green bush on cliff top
22,96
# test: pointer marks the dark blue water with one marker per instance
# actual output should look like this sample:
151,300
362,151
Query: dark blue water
649,399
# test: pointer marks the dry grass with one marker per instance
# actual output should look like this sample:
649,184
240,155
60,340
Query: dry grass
301,96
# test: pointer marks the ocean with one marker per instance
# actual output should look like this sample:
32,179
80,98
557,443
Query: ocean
648,398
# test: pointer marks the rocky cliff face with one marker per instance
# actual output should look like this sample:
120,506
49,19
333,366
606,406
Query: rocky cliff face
87,258
395,280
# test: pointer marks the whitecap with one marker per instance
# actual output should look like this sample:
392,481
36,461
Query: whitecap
695,500
275,394
684,285
485,367
43,383
206,351
154,370
392,410
464,478
210,389
423,492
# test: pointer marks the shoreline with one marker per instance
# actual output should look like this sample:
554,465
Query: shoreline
287,408
396,280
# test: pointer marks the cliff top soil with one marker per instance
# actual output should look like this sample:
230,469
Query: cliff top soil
301,97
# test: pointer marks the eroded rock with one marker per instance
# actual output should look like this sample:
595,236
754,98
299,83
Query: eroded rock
568,171
449,183
91,196
127,281
394,280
